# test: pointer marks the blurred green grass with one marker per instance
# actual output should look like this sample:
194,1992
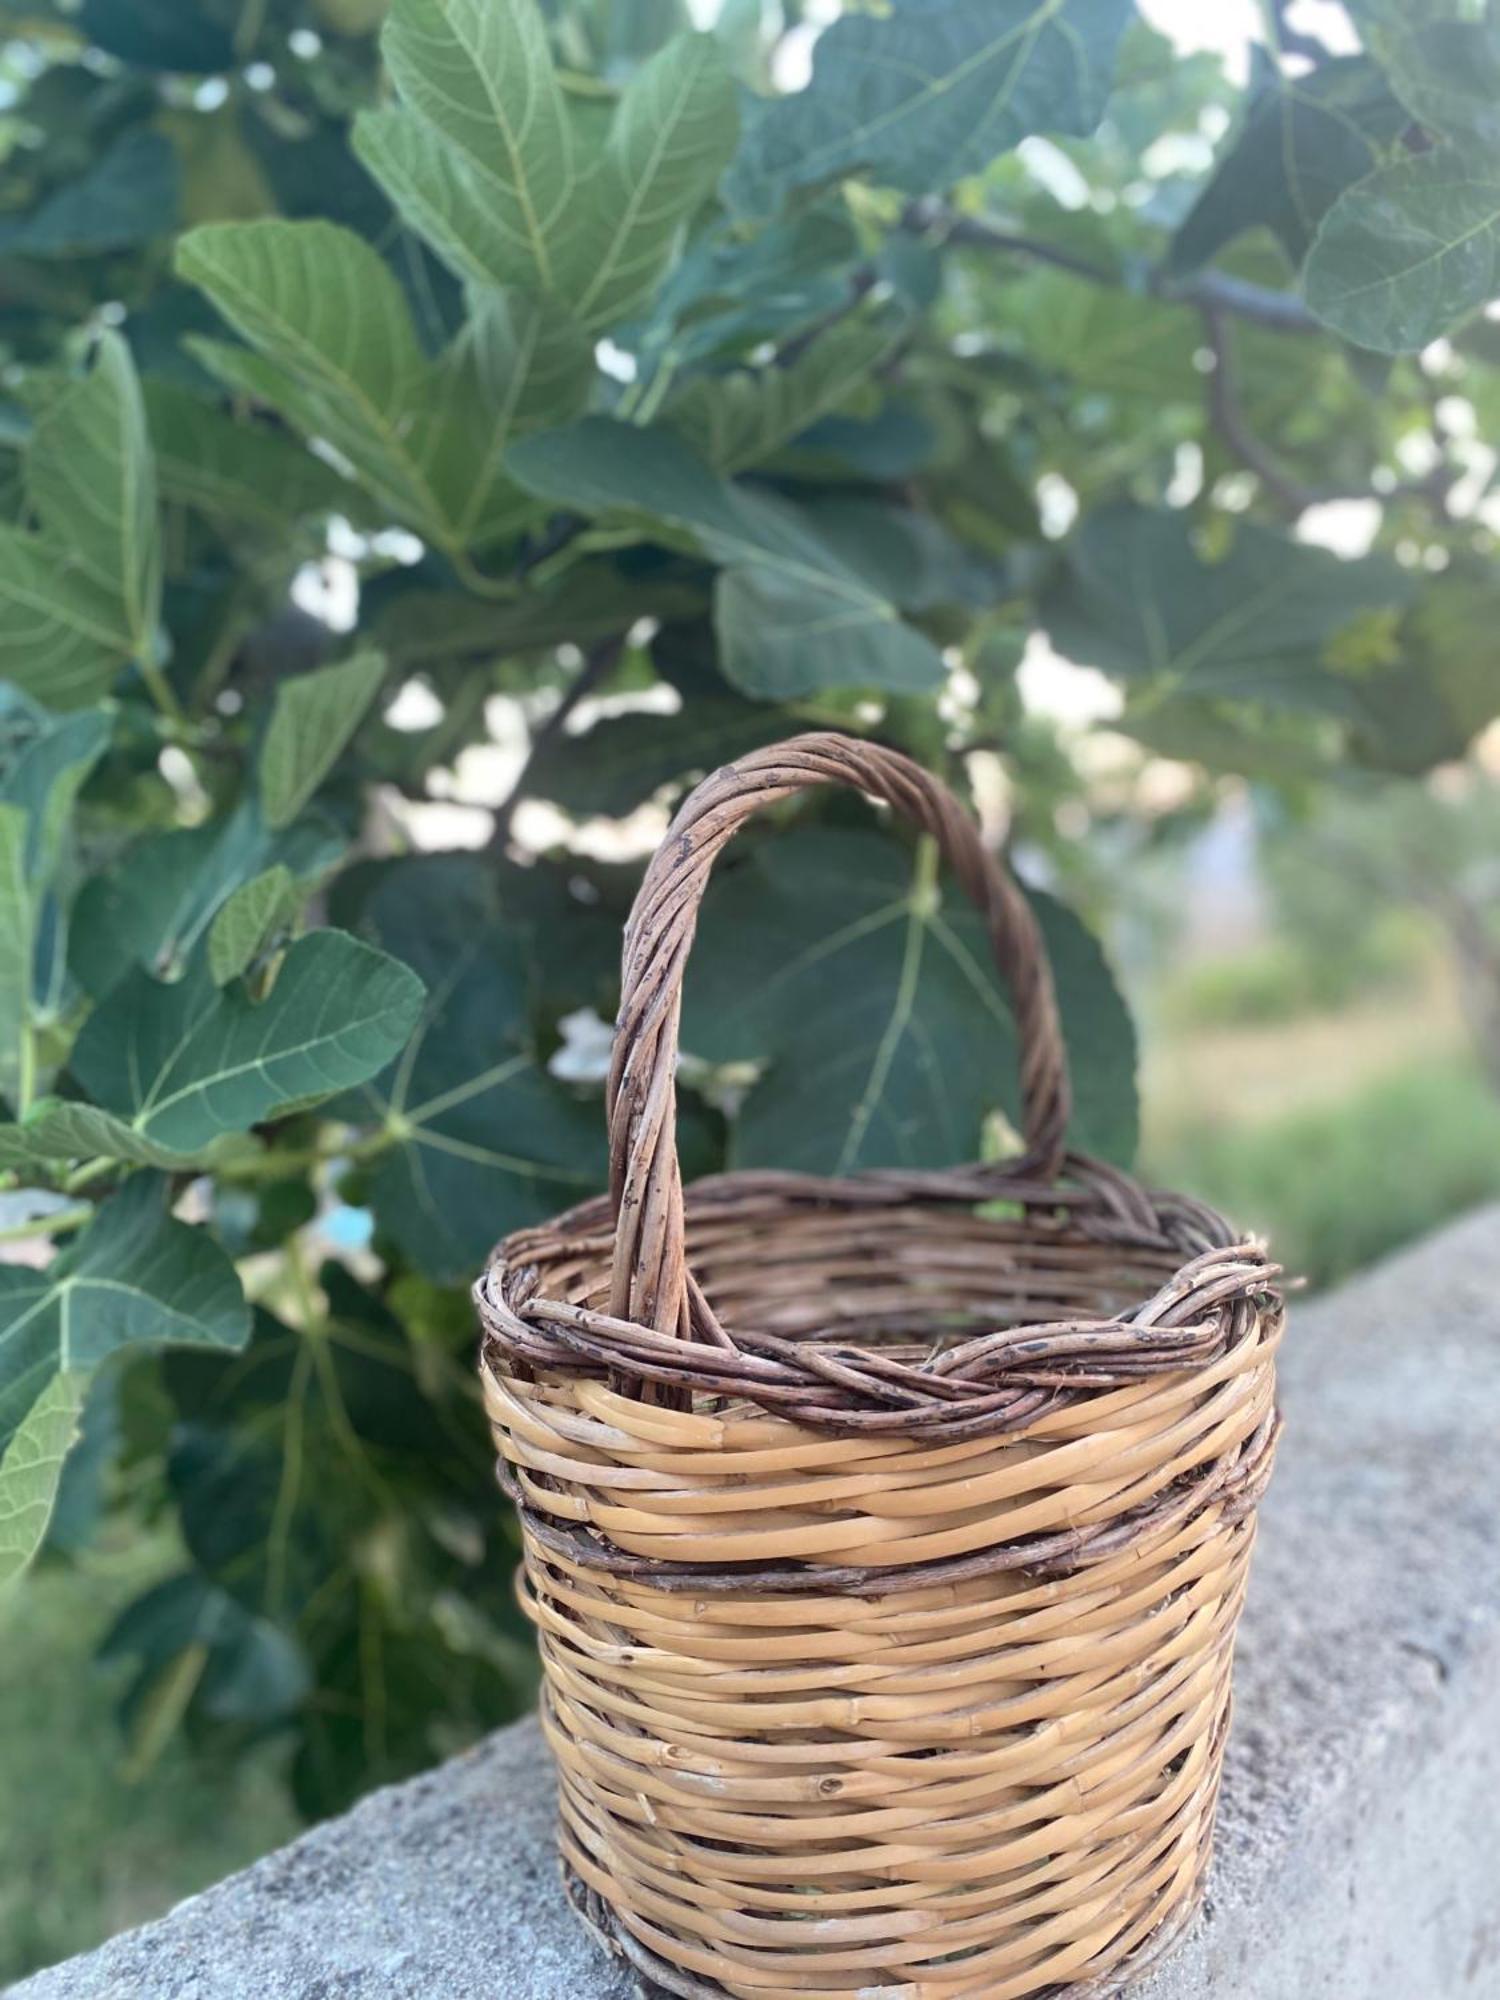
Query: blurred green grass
1341,1131
1340,1184
90,1849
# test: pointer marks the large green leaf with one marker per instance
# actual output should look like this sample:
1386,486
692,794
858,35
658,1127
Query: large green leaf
1415,248
258,911
908,556
31,1466
1426,706
625,759
183,1063
1409,252
330,1482
128,196
430,629
313,719
931,91
735,419
792,615
486,1141
515,367
1105,339
730,290
189,1637
90,476
674,133
350,1387
58,1129
337,354
1304,140
154,904
81,595
480,72
865,990
237,471
1138,600
320,305
37,792
797,624
485,165
1447,73
160,34
440,195
45,777
135,1278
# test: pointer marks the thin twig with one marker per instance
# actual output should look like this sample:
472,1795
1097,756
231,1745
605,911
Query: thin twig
598,664
1228,419
1282,312
554,538
55,1223
862,281
1218,297
1290,493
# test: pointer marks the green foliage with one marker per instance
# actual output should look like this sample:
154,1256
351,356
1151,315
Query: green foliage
313,719
1304,140
792,613
1407,254
336,352
31,1466
134,1278
677,414
881,1031
119,1841
181,1063
1411,250
1292,976
1140,601
128,197
487,1140
248,922
926,95
1333,1186
80,592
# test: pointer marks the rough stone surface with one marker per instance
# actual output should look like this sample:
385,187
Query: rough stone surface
1359,1844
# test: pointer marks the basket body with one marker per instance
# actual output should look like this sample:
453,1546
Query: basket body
913,1702
885,1536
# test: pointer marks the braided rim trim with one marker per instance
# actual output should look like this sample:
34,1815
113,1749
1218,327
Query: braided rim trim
994,1382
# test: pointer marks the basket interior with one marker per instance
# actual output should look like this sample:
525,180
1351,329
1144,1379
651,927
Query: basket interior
909,1278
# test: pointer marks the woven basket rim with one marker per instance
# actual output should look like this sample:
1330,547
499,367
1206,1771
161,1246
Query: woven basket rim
1185,1323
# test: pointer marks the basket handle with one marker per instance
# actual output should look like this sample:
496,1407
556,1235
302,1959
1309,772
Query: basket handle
650,1283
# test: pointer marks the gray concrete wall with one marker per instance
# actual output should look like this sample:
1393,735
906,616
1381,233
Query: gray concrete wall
1359,1846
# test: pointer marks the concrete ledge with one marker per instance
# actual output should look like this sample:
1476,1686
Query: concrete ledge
1359,1845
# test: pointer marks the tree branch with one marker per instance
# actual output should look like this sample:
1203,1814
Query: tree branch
1229,420
1218,297
598,664
1282,312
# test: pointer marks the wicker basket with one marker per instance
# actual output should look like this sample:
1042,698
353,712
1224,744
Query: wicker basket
886,1536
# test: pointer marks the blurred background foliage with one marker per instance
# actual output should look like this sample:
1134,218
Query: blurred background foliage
403,500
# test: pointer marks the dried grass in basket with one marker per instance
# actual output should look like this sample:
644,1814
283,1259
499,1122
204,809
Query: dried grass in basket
886,1547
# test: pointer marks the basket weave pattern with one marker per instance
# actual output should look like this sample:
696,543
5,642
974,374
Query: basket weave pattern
885,1549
